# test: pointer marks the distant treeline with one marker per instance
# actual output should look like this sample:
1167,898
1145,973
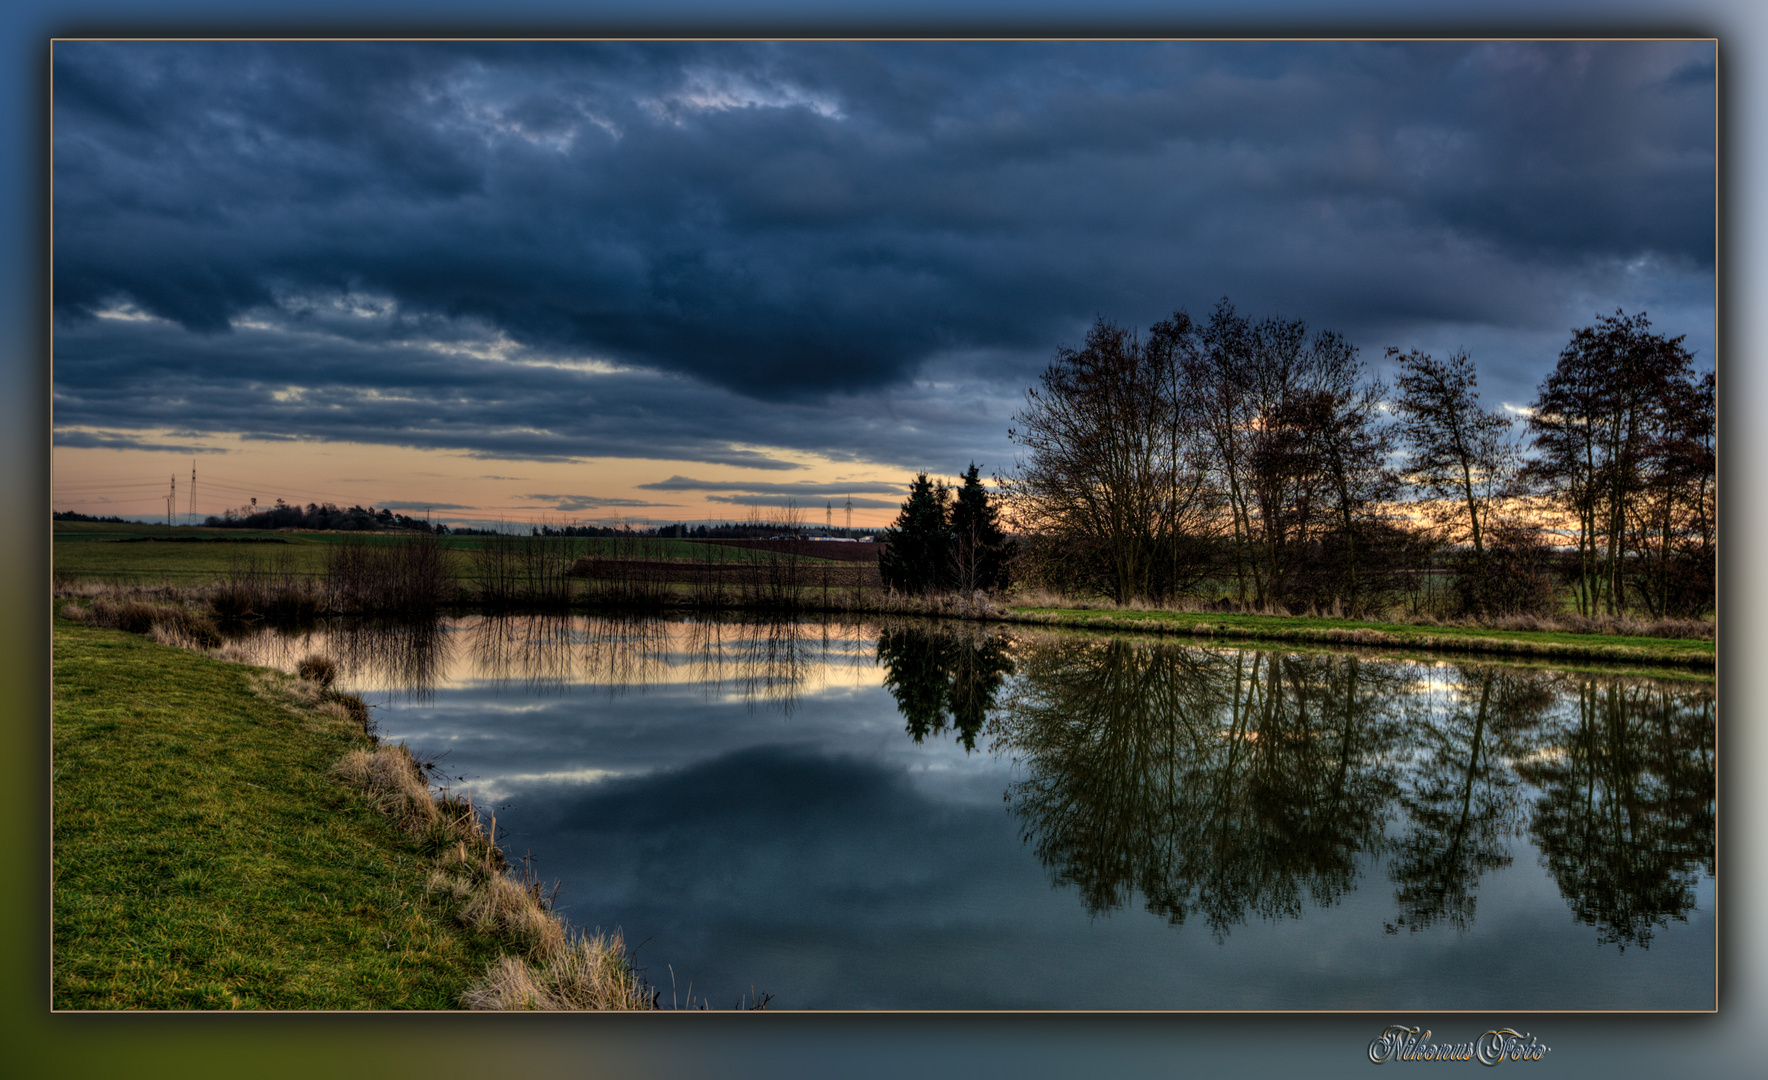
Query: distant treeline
282,515
69,515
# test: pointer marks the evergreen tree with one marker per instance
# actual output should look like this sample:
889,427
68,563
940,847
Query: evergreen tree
918,555
978,544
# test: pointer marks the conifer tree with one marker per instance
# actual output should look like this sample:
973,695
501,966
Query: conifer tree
978,544
918,555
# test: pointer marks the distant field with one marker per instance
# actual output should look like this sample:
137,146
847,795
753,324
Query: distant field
185,555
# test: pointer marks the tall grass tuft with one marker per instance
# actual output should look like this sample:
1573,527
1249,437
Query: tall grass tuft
318,668
395,785
593,972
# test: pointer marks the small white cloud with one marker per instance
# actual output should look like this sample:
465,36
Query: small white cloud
719,91
127,313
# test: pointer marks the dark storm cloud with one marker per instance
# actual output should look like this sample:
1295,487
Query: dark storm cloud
807,489
405,504
125,442
787,500
414,392
865,250
571,504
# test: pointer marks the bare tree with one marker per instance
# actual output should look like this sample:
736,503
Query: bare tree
1459,453
1097,474
1286,424
1601,424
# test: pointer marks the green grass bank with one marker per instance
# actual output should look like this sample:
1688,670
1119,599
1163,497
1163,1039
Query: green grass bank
1692,653
205,856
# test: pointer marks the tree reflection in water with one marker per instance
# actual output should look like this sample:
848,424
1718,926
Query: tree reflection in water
1235,783
533,652
1459,796
1624,820
943,678
1219,784
1222,783
407,657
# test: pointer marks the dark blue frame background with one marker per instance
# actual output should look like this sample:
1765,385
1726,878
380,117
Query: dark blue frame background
36,1043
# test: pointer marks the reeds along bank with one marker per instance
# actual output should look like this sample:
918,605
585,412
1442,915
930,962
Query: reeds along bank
274,588
412,574
522,571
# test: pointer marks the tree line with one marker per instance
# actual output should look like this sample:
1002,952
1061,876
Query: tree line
285,515
1256,464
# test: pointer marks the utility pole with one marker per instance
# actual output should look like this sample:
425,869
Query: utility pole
172,501
192,520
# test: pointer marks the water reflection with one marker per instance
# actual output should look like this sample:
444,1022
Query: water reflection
1240,783
758,662
1221,783
1459,798
942,679
1624,820
401,657
1206,785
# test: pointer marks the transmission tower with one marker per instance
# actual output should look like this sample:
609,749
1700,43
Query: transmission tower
850,513
192,518
828,518
172,501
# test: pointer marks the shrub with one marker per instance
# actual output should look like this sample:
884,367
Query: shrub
318,668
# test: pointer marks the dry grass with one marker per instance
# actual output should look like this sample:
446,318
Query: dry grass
318,668
555,970
394,784
591,973
169,624
950,605
65,589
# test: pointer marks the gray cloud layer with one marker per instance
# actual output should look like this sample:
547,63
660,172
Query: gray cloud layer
864,250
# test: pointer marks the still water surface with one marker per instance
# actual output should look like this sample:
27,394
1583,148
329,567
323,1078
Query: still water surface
901,815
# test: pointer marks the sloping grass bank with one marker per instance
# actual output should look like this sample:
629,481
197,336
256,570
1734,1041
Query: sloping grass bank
1546,644
230,837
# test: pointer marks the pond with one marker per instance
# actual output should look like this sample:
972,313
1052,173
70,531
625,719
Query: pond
902,815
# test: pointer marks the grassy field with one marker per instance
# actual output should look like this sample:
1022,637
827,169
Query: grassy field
190,555
205,857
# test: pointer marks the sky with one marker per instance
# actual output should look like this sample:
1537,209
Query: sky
665,281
